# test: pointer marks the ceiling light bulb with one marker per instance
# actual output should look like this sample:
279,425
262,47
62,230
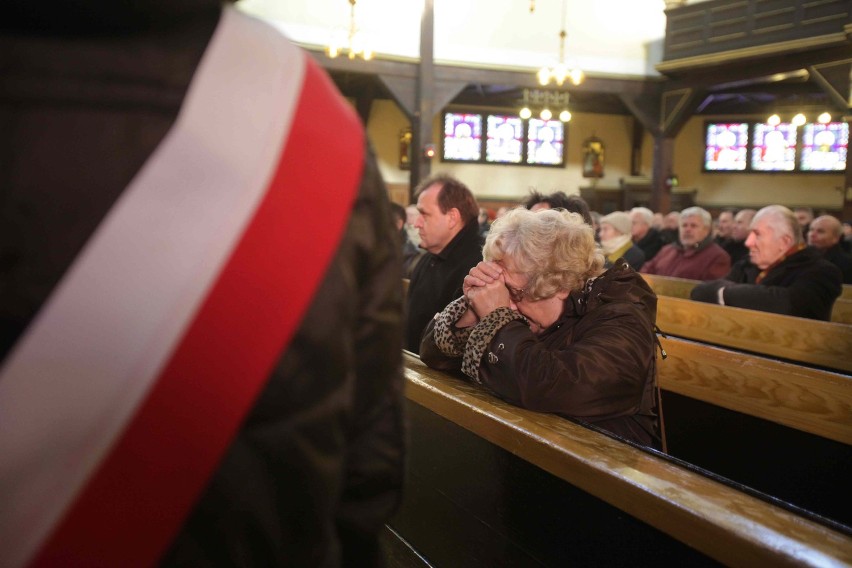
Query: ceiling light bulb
577,76
799,120
773,120
824,118
546,114
565,116
525,113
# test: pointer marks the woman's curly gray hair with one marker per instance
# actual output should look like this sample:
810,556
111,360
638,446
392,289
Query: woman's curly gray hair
554,248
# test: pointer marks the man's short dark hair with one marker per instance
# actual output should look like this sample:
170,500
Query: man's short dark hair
560,200
453,194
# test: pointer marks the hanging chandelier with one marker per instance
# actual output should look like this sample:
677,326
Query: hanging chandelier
798,119
560,72
545,104
355,45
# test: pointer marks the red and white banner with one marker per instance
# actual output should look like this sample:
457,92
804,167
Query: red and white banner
126,389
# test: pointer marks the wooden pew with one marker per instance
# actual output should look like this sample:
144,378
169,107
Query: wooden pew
670,286
841,312
466,441
681,287
847,292
824,344
747,418
810,400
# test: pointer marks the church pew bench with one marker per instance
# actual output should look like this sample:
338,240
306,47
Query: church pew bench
812,342
670,285
780,428
681,287
490,483
807,399
841,312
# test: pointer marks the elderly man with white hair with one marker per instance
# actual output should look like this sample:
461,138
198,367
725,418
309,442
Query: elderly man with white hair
781,275
644,234
695,255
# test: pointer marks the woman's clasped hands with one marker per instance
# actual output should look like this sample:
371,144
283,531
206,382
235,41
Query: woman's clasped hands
485,290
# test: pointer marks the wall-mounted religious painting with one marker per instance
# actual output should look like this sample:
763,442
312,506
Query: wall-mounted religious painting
593,158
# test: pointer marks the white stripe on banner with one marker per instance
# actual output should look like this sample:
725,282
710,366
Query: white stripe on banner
76,377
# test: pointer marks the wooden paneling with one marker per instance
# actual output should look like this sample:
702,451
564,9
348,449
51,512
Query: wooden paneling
705,28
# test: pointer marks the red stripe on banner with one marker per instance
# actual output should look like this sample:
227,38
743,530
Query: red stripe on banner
142,493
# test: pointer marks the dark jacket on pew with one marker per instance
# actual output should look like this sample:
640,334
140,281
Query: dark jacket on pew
803,285
596,363
651,243
841,259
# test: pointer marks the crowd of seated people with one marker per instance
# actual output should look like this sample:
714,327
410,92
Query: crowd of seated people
727,252
519,320
782,274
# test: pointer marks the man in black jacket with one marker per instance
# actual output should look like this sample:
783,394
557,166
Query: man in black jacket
782,275
646,237
824,235
449,232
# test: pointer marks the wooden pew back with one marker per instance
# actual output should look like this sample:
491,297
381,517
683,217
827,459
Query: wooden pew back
841,312
727,525
670,286
811,400
681,287
824,344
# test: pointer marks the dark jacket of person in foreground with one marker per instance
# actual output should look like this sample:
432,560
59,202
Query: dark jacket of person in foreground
596,363
315,469
803,285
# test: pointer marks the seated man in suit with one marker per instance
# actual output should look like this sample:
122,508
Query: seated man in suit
781,275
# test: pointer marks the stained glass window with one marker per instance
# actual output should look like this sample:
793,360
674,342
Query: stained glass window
462,137
504,143
825,147
546,142
774,148
725,146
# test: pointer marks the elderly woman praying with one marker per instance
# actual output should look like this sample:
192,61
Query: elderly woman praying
544,327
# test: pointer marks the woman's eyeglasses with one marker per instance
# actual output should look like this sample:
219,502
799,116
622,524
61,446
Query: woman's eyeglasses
516,294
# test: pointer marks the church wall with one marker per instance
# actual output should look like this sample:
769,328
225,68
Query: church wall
821,191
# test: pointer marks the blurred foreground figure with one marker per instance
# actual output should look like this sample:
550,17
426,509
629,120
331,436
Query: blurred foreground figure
192,373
